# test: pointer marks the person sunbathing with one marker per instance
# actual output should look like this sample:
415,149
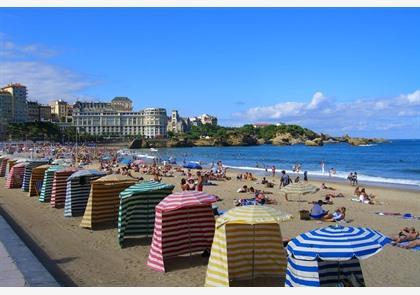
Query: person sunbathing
412,244
365,198
323,186
330,195
337,215
405,235
243,189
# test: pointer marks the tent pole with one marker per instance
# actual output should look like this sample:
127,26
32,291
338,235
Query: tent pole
253,252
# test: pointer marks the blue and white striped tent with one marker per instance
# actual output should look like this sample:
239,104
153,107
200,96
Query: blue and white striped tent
77,191
28,172
327,256
45,195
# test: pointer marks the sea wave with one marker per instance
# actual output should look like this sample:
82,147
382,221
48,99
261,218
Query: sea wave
339,175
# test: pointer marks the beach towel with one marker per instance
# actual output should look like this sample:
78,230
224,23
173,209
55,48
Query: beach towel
388,213
355,200
405,243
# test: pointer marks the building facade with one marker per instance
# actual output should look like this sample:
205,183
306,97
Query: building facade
176,124
203,119
149,123
19,105
38,112
61,111
6,115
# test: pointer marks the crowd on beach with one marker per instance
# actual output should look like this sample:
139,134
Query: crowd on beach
109,162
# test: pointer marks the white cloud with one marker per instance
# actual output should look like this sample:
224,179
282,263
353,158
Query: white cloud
317,99
399,113
44,81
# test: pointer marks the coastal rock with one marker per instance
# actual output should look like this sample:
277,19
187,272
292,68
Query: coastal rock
240,140
204,142
135,144
282,139
315,142
262,141
179,143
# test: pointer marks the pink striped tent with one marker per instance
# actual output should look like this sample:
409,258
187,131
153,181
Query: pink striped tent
58,193
3,166
15,177
184,224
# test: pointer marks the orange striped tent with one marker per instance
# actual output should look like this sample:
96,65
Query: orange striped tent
104,199
37,177
58,193
15,177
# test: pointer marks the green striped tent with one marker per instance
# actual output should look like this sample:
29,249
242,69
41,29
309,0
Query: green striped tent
136,215
47,184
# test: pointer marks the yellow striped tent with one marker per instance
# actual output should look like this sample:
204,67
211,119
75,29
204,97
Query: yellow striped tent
37,177
104,199
247,244
10,163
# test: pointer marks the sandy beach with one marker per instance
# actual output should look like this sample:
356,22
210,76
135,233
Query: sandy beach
82,257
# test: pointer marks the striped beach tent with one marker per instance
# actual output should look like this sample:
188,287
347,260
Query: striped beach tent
330,256
247,244
103,202
136,214
3,166
184,224
15,177
77,191
28,172
10,163
299,188
37,178
47,183
58,191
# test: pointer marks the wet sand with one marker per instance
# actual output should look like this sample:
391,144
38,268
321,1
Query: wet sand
81,257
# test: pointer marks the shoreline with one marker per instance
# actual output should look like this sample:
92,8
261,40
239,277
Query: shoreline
338,180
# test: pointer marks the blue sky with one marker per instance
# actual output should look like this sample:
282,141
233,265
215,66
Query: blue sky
336,71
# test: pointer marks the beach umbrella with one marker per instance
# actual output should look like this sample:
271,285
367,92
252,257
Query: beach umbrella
136,214
103,202
247,244
138,162
184,224
125,161
326,256
58,191
299,188
77,191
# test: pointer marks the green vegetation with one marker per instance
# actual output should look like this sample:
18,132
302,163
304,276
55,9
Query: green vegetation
266,132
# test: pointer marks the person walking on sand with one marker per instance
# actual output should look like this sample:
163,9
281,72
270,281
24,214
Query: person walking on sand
273,170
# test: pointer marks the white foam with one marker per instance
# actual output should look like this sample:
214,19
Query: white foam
340,175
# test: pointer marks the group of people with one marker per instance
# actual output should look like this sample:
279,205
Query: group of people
317,212
247,176
191,184
409,236
364,197
352,178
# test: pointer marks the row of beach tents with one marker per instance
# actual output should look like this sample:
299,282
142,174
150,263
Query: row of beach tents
245,242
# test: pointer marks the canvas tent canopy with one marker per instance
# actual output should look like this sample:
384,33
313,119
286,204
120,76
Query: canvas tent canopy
58,191
28,172
37,178
9,165
136,214
47,183
103,202
15,177
3,166
247,244
184,224
330,255
77,191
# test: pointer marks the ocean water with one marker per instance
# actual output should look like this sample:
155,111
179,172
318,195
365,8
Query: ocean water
396,162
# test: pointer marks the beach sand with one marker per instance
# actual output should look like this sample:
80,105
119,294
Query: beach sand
82,257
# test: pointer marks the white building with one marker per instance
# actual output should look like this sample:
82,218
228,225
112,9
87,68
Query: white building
149,123
176,124
203,119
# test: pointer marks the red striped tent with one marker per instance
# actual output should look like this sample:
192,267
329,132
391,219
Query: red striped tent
9,165
37,177
15,177
3,166
184,224
58,193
